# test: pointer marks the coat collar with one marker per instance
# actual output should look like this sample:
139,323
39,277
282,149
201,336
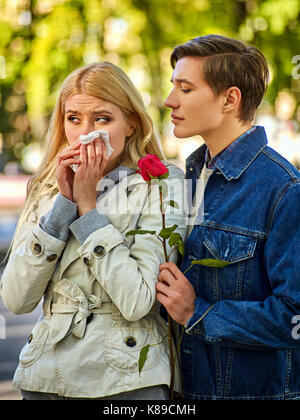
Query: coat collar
120,175
233,163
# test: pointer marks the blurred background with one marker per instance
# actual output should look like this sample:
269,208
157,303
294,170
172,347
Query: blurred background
42,41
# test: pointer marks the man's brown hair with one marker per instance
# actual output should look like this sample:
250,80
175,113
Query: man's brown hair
229,62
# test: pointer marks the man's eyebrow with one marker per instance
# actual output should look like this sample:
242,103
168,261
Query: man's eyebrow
182,80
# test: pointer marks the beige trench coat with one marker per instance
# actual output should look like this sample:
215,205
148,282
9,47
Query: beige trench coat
69,353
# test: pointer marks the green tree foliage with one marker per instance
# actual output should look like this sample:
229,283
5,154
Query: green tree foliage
42,41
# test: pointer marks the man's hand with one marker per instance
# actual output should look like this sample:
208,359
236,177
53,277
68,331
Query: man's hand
175,292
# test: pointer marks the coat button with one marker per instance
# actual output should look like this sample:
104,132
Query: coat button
30,337
99,251
51,257
86,261
37,248
130,341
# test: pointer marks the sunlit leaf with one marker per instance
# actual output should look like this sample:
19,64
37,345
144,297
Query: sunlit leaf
174,238
166,232
143,357
181,248
139,232
210,262
173,203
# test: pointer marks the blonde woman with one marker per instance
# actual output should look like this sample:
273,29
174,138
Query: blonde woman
70,248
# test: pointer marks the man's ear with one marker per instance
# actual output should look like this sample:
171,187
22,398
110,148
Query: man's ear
232,99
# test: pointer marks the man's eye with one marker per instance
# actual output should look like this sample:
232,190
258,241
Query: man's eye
185,90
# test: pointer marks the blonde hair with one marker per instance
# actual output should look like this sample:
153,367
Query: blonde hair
107,82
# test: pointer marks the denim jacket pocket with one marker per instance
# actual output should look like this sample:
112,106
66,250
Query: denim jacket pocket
233,280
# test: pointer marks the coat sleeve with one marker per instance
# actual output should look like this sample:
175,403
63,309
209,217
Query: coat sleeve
129,274
268,324
33,259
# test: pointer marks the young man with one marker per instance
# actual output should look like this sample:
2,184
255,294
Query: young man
240,321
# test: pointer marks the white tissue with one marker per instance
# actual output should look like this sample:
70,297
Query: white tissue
88,138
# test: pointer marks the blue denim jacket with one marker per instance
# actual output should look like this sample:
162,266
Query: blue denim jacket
239,343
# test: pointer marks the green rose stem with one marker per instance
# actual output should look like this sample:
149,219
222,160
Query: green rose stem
169,318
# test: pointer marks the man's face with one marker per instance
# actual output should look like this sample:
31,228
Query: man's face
196,110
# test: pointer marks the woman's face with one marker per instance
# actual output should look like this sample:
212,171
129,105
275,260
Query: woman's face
86,113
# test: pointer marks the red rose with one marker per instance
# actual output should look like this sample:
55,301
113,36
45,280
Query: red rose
152,166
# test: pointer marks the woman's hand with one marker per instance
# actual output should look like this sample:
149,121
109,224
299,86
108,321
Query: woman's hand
93,160
65,174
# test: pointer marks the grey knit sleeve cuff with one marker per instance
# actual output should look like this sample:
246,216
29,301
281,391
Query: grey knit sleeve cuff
87,224
58,220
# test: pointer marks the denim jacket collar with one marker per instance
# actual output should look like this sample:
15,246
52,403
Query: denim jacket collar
233,164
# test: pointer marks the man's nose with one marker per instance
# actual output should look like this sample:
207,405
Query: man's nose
171,101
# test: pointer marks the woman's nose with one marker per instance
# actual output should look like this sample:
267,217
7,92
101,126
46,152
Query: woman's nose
87,127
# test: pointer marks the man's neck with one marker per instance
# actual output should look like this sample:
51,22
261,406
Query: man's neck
221,138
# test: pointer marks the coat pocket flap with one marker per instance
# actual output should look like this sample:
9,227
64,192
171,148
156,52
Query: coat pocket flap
230,246
35,345
122,347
